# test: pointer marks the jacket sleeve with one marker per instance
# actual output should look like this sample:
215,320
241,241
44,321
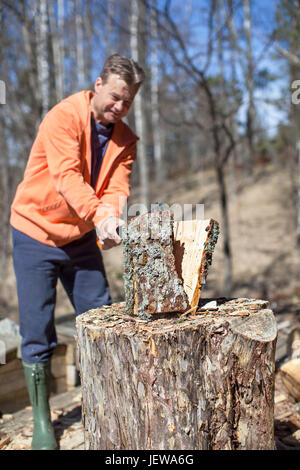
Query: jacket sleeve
61,131
117,190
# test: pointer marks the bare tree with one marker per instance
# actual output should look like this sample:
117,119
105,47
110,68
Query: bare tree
216,126
226,35
251,115
139,109
233,42
41,24
79,44
109,26
4,169
88,31
298,202
71,48
154,78
57,38
287,43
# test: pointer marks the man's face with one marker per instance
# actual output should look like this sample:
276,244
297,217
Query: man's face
112,100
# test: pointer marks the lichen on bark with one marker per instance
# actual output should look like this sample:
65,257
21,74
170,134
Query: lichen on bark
212,236
151,282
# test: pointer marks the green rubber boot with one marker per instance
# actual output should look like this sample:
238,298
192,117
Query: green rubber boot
38,383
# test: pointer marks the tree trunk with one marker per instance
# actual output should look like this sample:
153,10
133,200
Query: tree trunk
198,382
4,167
57,30
30,54
251,114
42,56
225,229
160,175
109,23
298,201
79,44
88,30
5,197
138,106
71,48
233,43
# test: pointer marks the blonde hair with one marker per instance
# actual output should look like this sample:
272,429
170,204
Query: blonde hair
127,69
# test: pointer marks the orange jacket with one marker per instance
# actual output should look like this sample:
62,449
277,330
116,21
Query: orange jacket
55,203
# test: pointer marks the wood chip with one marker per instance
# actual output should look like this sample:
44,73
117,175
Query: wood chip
4,441
286,414
239,313
290,373
295,419
7,417
280,398
189,311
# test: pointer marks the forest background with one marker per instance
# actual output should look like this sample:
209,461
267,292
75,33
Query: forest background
218,120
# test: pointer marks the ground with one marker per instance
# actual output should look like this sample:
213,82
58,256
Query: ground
16,429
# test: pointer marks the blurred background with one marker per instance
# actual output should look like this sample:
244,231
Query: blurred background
218,120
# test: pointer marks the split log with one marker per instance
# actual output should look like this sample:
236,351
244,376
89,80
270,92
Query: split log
166,262
185,382
194,244
293,342
290,373
290,370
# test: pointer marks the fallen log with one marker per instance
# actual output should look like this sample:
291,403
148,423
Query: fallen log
186,382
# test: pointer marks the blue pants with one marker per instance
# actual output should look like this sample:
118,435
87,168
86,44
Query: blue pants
37,266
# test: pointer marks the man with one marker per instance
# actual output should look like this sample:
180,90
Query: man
76,181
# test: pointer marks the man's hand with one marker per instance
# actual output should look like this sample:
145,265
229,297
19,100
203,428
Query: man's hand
107,232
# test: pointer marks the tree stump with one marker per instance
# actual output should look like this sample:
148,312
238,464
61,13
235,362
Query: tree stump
187,382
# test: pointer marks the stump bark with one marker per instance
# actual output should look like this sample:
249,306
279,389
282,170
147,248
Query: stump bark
193,382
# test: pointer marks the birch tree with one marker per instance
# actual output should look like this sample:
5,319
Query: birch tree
111,5
41,25
233,43
227,13
4,166
154,78
216,125
79,44
57,38
71,48
287,44
251,115
138,105
88,31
